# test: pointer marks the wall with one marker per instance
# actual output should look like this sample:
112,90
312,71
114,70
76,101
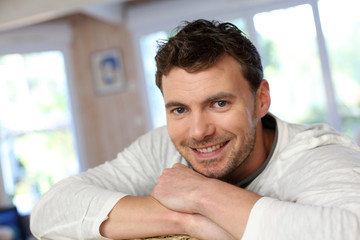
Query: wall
21,13
105,124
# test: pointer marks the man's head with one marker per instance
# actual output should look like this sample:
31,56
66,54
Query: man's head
214,97
199,44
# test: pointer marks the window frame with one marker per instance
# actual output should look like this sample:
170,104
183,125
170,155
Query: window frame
55,36
227,12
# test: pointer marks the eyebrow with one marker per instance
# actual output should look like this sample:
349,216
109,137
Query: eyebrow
218,96
174,104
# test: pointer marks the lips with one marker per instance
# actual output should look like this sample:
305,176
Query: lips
211,148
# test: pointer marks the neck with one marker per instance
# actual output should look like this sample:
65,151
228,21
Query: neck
263,143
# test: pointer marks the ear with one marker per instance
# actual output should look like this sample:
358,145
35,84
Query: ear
263,99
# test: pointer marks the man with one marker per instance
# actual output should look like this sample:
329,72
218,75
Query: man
223,169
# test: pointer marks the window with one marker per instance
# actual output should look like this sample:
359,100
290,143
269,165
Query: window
310,59
241,24
291,64
148,46
36,137
313,81
342,35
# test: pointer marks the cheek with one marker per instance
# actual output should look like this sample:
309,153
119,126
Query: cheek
234,121
176,130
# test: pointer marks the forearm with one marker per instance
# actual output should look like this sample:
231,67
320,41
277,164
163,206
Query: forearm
282,220
72,209
275,219
137,217
226,205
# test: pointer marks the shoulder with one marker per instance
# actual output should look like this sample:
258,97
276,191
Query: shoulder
155,137
302,137
310,159
313,149
155,144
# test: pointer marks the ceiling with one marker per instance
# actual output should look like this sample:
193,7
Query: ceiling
20,13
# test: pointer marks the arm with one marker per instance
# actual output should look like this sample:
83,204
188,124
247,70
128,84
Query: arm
75,207
139,217
76,210
100,201
181,189
316,197
282,220
72,209
246,215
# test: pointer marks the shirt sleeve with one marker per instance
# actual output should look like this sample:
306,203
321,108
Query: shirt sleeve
282,220
75,207
316,197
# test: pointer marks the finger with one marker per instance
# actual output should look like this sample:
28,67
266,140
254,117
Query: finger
179,166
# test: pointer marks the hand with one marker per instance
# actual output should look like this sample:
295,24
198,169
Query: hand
201,227
178,187
225,206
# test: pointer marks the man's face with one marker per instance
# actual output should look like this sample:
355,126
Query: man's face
211,116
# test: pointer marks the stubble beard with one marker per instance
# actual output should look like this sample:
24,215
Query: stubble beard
235,158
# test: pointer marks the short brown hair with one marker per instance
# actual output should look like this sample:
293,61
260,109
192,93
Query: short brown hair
199,44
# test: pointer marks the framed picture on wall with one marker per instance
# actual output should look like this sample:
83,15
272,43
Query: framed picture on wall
108,71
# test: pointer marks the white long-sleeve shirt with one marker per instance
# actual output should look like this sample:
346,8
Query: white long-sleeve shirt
311,188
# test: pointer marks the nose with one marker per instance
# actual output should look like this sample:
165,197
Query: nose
201,126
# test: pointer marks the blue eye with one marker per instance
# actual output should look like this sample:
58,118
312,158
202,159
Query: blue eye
179,110
220,104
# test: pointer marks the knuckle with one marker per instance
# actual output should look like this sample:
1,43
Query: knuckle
178,165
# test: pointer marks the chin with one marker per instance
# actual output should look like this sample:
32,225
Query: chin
216,171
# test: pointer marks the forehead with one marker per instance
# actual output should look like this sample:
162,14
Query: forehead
224,76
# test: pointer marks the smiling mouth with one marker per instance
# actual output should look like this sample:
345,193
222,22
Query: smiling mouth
211,149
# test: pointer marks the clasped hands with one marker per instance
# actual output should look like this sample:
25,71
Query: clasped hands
185,191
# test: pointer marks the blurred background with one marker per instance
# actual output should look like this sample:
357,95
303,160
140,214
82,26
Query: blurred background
63,110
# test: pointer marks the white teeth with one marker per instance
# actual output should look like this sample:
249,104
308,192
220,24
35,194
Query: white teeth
210,149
